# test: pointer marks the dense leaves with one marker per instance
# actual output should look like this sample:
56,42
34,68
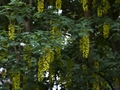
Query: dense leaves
67,44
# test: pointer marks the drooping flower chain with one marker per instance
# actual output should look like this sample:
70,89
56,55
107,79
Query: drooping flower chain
28,59
93,3
84,4
84,46
16,81
58,4
43,63
11,31
27,55
96,82
106,30
117,1
58,33
40,6
103,9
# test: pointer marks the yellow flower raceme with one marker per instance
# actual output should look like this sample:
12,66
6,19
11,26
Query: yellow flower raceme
11,31
96,85
85,4
58,52
28,59
56,33
99,11
16,81
106,30
27,56
117,1
43,63
93,3
96,82
103,9
40,70
84,46
40,6
52,32
106,5
58,4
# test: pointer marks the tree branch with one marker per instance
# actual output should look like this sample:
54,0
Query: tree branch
106,80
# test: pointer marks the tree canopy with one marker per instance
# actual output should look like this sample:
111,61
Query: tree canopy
71,44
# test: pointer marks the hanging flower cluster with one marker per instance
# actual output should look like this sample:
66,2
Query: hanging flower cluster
117,1
28,59
58,52
16,81
58,4
3,54
84,4
43,63
40,70
56,33
84,46
96,82
52,32
40,6
106,30
27,55
93,3
103,9
11,31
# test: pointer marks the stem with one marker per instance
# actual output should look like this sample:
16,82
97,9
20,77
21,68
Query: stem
106,80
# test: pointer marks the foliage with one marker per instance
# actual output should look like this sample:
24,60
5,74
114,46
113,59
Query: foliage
77,49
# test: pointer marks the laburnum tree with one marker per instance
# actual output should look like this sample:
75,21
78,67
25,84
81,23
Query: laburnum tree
67,44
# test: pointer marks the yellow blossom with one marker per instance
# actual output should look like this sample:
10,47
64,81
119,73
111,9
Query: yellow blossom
117,1
84,46
40,6
103,8
11,31
93,3
84,4
58,4
106,30
43,63
16,81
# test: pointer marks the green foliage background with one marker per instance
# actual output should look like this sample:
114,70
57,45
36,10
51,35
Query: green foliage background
66,71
